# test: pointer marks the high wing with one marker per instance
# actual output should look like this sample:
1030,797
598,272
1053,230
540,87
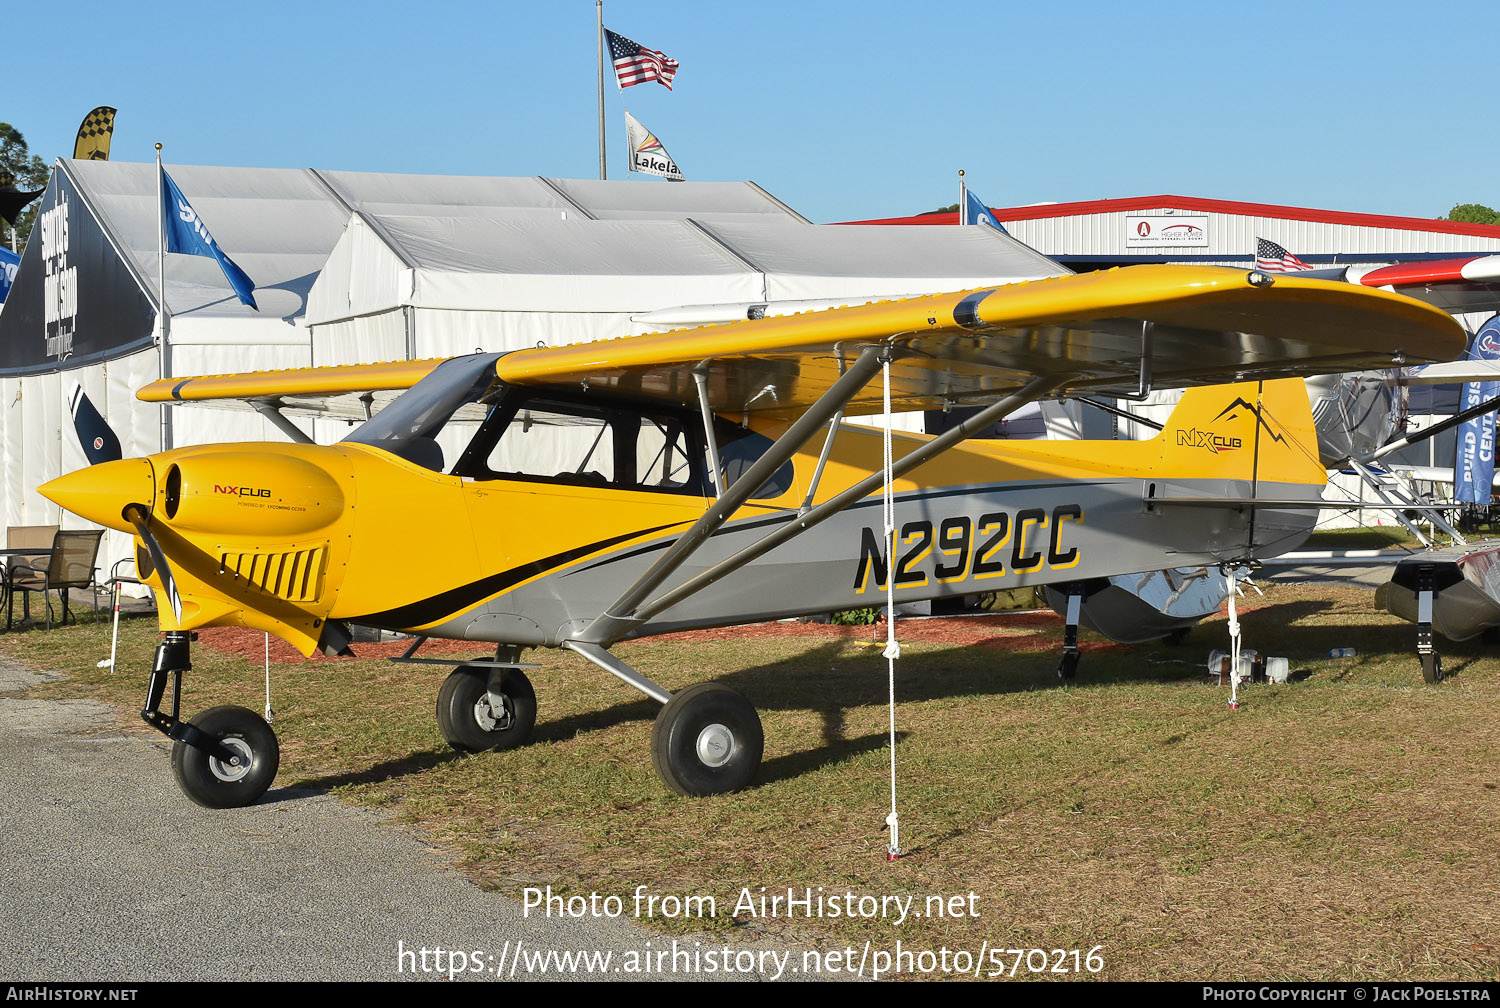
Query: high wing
1462,284
1454,371
1116,331
351,391
1106,331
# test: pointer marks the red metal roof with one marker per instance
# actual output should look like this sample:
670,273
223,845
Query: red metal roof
1200,204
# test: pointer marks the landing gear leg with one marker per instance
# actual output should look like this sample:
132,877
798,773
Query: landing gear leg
707,739
1432,662
225,757
487,706
1068,667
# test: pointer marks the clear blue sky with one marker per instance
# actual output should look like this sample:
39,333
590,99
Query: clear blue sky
843,110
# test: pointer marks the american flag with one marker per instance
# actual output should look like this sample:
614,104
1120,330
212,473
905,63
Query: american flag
635,64
1274,259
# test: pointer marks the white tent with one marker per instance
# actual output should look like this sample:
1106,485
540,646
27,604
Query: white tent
355,267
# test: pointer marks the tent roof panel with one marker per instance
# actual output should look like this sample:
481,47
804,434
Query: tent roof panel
416,195
630,200
891,251
530,246
278,225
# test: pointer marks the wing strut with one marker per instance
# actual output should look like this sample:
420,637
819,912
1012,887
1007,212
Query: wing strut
700,379
610,627
271,410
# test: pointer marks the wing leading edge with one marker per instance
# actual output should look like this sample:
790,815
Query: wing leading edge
1190,324
1206,325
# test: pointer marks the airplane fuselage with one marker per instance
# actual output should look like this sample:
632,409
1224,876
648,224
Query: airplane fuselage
291,538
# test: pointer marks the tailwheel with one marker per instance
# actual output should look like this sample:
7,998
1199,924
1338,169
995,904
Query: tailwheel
479,709
1432,667
239,781
707,740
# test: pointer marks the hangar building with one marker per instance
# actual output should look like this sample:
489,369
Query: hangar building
1097,234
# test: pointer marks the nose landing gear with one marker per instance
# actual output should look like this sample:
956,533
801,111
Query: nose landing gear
225,757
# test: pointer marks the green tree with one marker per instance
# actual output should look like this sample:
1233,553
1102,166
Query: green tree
30,174
1474,213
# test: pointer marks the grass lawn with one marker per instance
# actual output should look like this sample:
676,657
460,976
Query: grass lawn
1340,827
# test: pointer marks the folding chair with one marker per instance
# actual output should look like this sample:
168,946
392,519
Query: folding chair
71,565
22,537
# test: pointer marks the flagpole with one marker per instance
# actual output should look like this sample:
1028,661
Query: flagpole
599,13
163,313
963,198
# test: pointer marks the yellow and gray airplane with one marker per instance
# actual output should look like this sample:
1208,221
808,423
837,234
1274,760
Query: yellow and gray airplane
577,496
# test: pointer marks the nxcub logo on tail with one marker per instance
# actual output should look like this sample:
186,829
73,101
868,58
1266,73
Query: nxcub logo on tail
1192,437
1195,438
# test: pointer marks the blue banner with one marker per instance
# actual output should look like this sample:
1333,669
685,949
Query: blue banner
9,263
978,213
187,234
1474,465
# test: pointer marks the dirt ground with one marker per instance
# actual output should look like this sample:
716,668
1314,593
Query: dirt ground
1001,631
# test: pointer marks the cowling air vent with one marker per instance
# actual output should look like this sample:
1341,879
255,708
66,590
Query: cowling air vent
294,575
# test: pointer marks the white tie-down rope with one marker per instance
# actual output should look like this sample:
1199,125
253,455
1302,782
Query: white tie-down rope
1234,645
269,716
892,648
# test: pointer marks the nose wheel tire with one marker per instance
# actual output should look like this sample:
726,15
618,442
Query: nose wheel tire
1432,667
473,719
707,740
219,784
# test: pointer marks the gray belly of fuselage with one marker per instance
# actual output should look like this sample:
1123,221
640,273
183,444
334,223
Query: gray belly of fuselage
949,541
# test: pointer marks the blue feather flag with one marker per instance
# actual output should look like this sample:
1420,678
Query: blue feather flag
186,233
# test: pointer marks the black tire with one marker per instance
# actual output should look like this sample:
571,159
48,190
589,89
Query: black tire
210,783
1068,667
468,722
1432,667
707,740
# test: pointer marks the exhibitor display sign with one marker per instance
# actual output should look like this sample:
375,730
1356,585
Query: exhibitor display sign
1166,231
73,301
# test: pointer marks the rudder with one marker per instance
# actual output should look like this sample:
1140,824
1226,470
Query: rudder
1250,430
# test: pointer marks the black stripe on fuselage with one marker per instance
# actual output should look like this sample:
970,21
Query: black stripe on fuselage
445,604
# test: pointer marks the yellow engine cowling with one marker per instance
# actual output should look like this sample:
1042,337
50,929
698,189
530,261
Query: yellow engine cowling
254,534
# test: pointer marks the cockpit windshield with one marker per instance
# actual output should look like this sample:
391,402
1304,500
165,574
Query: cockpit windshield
456,396
463,421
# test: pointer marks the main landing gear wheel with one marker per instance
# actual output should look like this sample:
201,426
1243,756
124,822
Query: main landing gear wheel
707,740
472,723
1432,667
216,784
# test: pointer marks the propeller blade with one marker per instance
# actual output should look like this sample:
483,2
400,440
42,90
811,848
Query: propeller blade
99,442
141,519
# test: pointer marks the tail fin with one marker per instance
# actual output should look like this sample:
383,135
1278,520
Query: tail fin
1251,430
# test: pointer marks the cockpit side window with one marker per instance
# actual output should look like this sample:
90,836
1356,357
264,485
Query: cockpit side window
554,439
462,420
739,449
